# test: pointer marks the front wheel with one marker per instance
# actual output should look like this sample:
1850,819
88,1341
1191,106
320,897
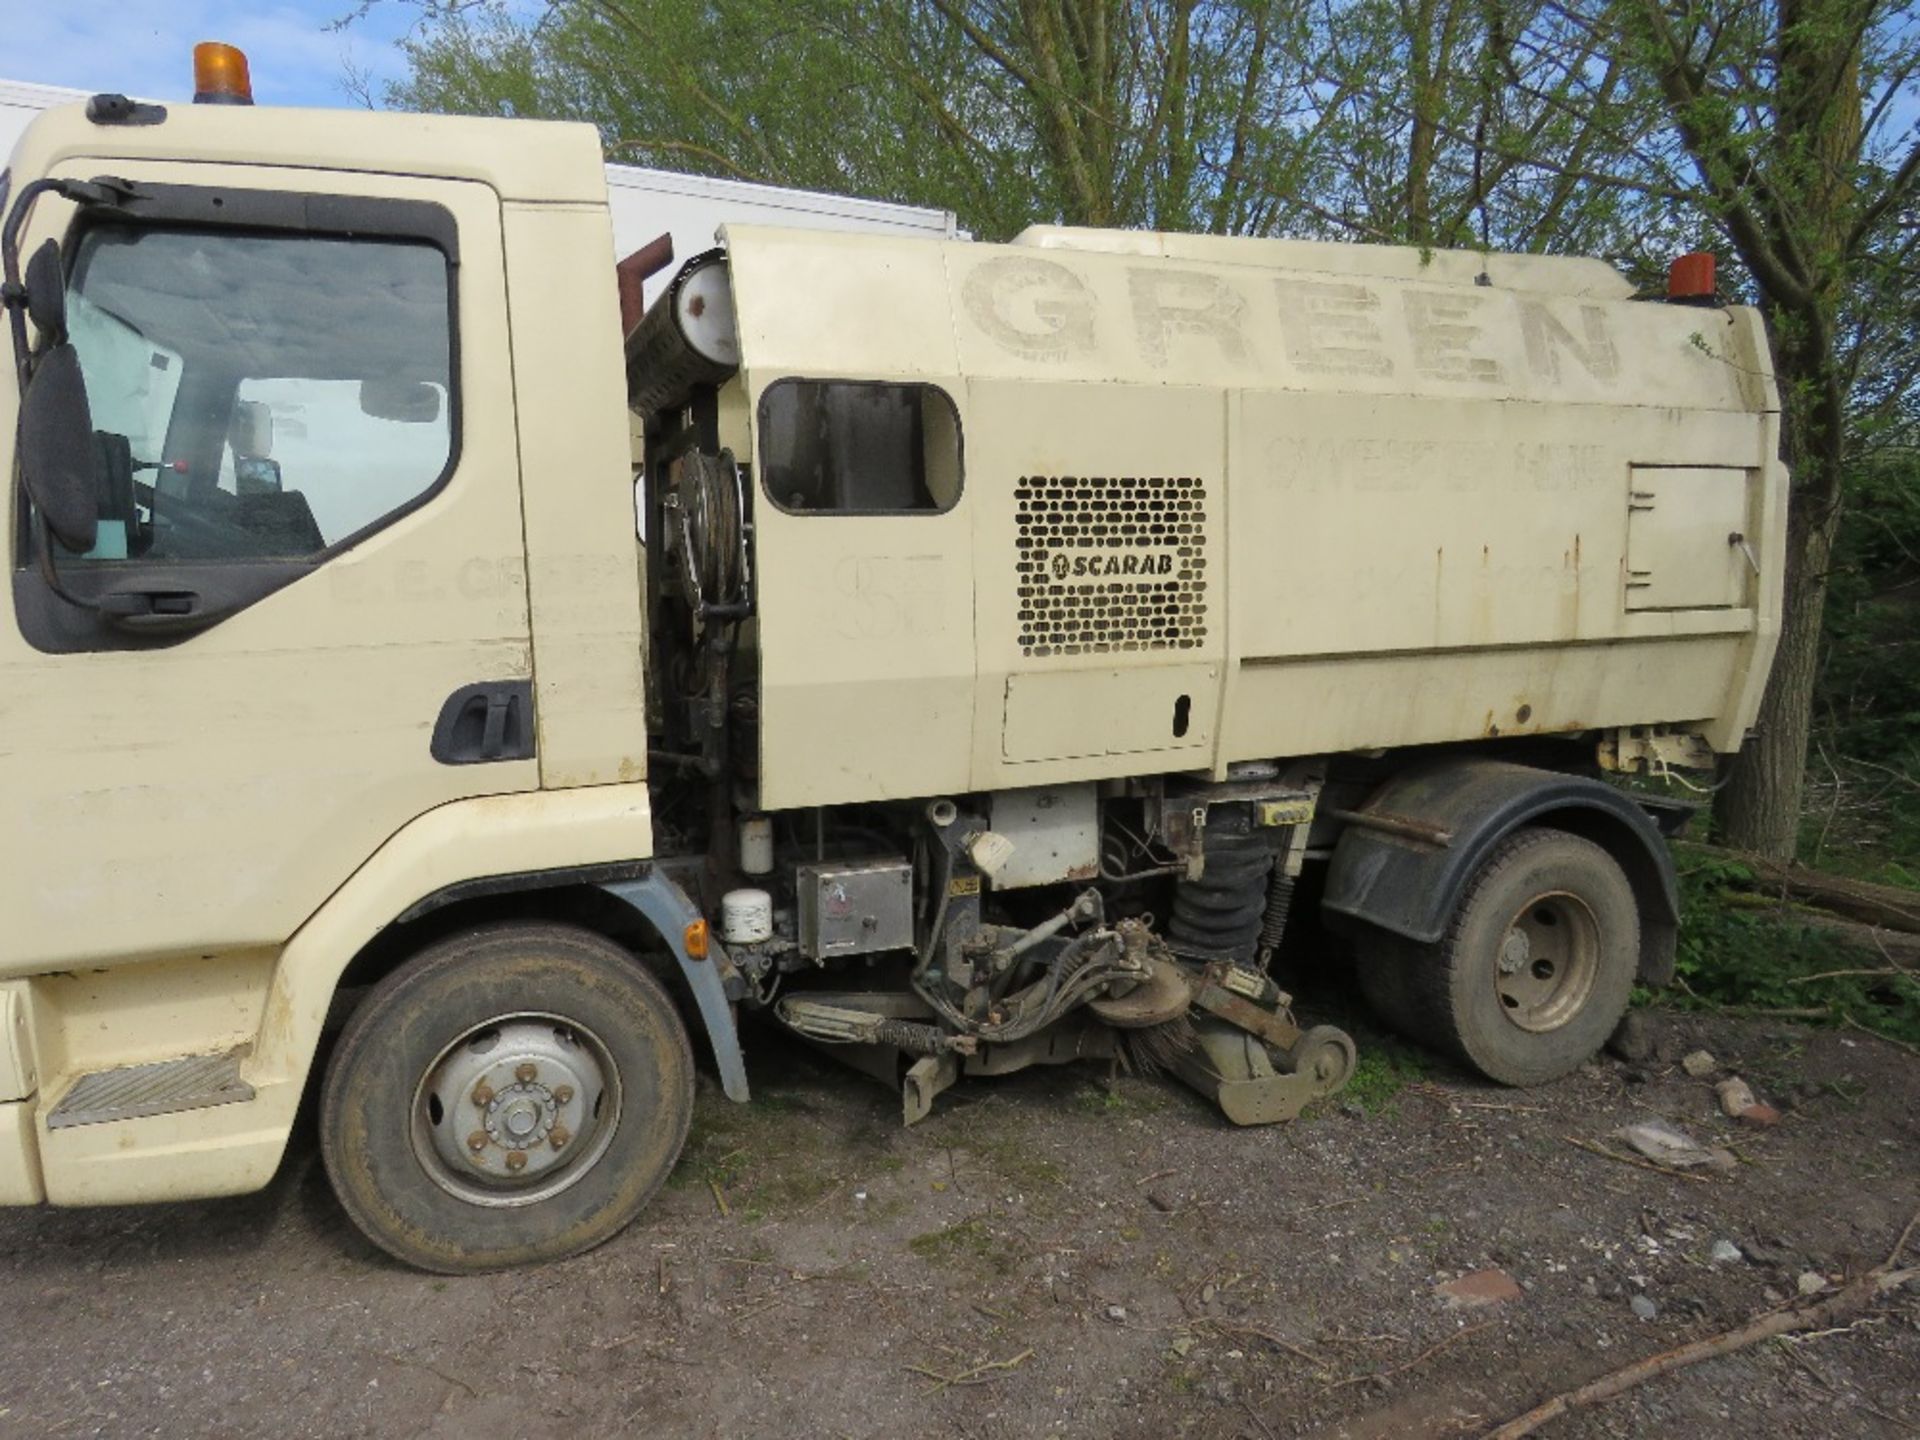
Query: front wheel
514,1095
1535,969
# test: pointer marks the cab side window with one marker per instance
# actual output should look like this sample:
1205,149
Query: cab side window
275,396
855,447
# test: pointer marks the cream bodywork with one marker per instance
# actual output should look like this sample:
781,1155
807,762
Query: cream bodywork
201,835
1445,498
1419,509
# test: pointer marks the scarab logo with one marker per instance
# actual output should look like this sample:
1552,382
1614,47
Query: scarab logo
1084,567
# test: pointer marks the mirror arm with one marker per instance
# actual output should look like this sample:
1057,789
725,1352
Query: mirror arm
104,190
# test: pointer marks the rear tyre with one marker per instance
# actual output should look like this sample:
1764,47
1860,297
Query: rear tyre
513,1095
1535,969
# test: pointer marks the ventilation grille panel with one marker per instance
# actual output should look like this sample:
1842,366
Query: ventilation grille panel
1111,563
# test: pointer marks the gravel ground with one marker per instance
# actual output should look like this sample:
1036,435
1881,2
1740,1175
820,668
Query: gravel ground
1051,1254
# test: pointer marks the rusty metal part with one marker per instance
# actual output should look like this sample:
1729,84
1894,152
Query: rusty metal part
516,1160
1236,1071
1405,827
1276,1028
1232,1069
1164,995
526,1073
631,275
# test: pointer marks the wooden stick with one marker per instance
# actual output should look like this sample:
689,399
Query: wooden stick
1849,1300
1889,907
978,1375
1420,1359
1853,1024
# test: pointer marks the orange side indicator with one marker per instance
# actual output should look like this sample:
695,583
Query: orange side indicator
695,937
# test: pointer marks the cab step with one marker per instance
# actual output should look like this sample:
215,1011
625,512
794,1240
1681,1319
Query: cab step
131,1091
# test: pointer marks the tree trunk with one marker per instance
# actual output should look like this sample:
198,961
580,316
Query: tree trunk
1759,809
1816,145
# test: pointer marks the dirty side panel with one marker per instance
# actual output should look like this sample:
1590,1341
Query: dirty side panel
1409,570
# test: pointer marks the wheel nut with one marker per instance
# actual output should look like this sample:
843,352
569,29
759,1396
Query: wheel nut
516,1160
483,1095
477,1141
525,1073
563,1094
559,1136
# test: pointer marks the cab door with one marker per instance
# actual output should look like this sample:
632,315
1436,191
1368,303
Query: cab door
303,622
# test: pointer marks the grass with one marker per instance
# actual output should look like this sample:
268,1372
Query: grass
1384,1069
965,1242
1739,949
765,1158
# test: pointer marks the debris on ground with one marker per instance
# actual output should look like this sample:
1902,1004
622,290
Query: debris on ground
1735,1096
1738,1102
1643,1307
1699,1064
1478,1288
1013,1220
1664,1145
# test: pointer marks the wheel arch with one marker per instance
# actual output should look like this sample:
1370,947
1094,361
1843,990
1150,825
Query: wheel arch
636,906
1408,852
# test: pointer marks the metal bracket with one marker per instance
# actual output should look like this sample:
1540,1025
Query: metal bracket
670,910
1639,750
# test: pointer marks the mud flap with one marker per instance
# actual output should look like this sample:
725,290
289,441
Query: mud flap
669,910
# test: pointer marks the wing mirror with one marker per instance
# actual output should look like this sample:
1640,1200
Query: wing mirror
60,463
46,288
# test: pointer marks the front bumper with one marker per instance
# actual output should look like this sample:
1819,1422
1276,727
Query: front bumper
20,1179
21,1182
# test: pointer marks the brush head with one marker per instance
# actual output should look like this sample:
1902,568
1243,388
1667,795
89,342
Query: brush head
1157,1048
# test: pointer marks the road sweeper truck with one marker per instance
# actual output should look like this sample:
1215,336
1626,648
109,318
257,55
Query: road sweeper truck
972,656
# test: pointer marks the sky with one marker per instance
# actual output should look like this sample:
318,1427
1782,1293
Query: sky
145,47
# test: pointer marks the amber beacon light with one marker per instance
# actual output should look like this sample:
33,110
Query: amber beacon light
220,75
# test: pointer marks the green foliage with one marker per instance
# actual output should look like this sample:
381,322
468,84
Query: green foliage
1741,949
1865,800
1381,1073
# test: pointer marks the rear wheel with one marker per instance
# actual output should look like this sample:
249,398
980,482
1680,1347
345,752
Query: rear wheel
1535,969
513,1095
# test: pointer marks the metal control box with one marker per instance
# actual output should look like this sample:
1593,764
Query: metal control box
855,908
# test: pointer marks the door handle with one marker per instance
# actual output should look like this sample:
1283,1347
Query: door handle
148,609
483,723
148,603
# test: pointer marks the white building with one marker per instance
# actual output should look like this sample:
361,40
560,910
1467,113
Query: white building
645,203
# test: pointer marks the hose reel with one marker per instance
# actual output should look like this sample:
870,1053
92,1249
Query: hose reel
706,513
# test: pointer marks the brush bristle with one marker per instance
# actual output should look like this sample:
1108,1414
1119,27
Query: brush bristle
1156,1048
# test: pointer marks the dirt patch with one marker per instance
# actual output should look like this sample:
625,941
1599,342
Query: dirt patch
1048,1255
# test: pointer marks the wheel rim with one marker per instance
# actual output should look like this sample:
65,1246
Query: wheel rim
516,1109
1547,962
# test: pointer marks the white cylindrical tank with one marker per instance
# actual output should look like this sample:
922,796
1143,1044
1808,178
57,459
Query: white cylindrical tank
756,845
746,917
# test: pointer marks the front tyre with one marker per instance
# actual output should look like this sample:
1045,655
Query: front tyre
513,1095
